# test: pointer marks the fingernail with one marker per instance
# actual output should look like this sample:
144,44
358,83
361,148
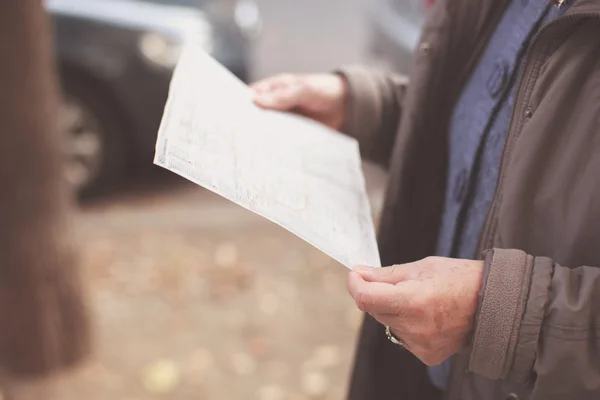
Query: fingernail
362,268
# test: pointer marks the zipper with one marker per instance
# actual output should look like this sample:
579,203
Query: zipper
490,226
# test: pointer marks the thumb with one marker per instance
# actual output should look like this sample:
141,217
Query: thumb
391,275
374,297
284,98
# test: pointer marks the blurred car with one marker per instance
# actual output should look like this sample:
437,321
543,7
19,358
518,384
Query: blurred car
395,26
116,58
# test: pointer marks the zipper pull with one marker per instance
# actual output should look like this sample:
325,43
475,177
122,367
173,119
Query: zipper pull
559,3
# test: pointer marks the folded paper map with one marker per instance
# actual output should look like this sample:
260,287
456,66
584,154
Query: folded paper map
289,169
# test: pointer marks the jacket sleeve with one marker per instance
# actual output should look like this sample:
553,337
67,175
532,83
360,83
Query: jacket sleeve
373,110
535,317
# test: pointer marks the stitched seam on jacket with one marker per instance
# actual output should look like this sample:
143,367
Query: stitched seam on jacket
563,327
572,339
528,335
572,328
496,324
519,312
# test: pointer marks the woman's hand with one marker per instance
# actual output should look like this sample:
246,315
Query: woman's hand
429,305
321,97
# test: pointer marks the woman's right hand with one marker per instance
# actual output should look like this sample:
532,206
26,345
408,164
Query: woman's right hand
321,97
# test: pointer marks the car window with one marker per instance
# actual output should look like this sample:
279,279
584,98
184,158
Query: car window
192,3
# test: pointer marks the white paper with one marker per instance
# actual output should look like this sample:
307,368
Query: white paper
291,170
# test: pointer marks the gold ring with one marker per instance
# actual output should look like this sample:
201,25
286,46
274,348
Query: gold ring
393,338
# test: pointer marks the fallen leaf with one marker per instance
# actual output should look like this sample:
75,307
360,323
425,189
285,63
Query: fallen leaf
161,377
259,347
243,364
314,383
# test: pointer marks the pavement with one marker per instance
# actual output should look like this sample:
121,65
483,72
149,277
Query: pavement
194,297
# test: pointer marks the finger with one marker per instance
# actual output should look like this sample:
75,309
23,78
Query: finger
392,275
389,320
273,83
374,297
399,335
284,98
265,86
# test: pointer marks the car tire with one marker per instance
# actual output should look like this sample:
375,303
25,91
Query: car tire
104,127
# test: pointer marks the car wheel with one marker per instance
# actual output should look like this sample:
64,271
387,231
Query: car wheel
92,141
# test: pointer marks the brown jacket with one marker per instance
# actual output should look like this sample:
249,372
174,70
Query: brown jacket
537,330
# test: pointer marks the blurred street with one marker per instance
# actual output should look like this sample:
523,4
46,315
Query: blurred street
309,36
196,298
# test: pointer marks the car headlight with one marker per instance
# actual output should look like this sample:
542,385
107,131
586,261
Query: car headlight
163,50
160,50
247,17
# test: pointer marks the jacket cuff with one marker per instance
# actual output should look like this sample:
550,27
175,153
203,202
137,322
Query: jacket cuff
364,104
502,307
525,352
